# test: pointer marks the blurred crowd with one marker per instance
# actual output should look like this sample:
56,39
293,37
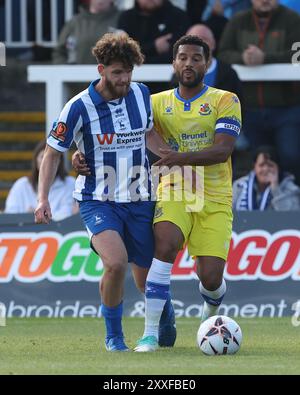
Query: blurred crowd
156,24
22,197
247,32
237,31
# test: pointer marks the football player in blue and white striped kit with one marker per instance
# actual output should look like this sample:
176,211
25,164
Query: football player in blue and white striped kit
108,122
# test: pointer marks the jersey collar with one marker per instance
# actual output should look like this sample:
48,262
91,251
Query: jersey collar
176,92
97,98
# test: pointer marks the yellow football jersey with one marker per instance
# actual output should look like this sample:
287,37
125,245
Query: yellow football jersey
191,125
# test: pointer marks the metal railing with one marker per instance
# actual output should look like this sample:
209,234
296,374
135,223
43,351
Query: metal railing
58,77
25,21
37,22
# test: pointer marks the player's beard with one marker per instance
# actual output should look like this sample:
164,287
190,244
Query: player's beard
198,78
117,90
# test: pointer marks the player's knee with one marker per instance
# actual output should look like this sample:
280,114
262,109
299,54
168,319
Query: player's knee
166,251
115,267
211,283
167,244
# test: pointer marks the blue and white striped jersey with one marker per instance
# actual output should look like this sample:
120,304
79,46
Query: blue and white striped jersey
112,137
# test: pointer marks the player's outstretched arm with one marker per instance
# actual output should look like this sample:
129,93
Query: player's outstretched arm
47,175
219,152
155,143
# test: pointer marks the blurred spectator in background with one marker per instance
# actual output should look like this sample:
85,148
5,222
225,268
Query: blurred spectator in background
266,187
79,35
219,74
214,18
292,4
262,35
81,3
195,9
217,13
228,8
22,197
157,25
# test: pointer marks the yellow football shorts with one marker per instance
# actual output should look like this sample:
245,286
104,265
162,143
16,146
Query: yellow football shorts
207,232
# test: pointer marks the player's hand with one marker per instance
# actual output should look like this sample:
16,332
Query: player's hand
79,164
42,213
170,158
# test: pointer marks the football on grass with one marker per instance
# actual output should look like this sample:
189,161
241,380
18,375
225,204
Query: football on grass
219,335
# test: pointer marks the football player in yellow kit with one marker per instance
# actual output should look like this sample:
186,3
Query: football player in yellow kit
201,125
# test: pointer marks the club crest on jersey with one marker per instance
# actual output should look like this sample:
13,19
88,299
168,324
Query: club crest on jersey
122,124
119,112
158,212
59,130
205,109
169,110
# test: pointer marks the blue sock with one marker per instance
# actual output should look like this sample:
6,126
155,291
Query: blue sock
113,320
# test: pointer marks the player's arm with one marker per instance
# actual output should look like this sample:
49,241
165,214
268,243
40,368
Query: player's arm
59,141
47,175
219,152
155,143
227,129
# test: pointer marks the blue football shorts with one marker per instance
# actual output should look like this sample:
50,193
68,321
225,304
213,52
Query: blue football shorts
133,221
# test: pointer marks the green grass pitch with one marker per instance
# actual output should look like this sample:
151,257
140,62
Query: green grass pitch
75,346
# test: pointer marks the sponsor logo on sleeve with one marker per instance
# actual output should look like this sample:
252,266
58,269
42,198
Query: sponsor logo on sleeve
59,132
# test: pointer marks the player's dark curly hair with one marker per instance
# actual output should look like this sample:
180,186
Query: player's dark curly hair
118,47
191,40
